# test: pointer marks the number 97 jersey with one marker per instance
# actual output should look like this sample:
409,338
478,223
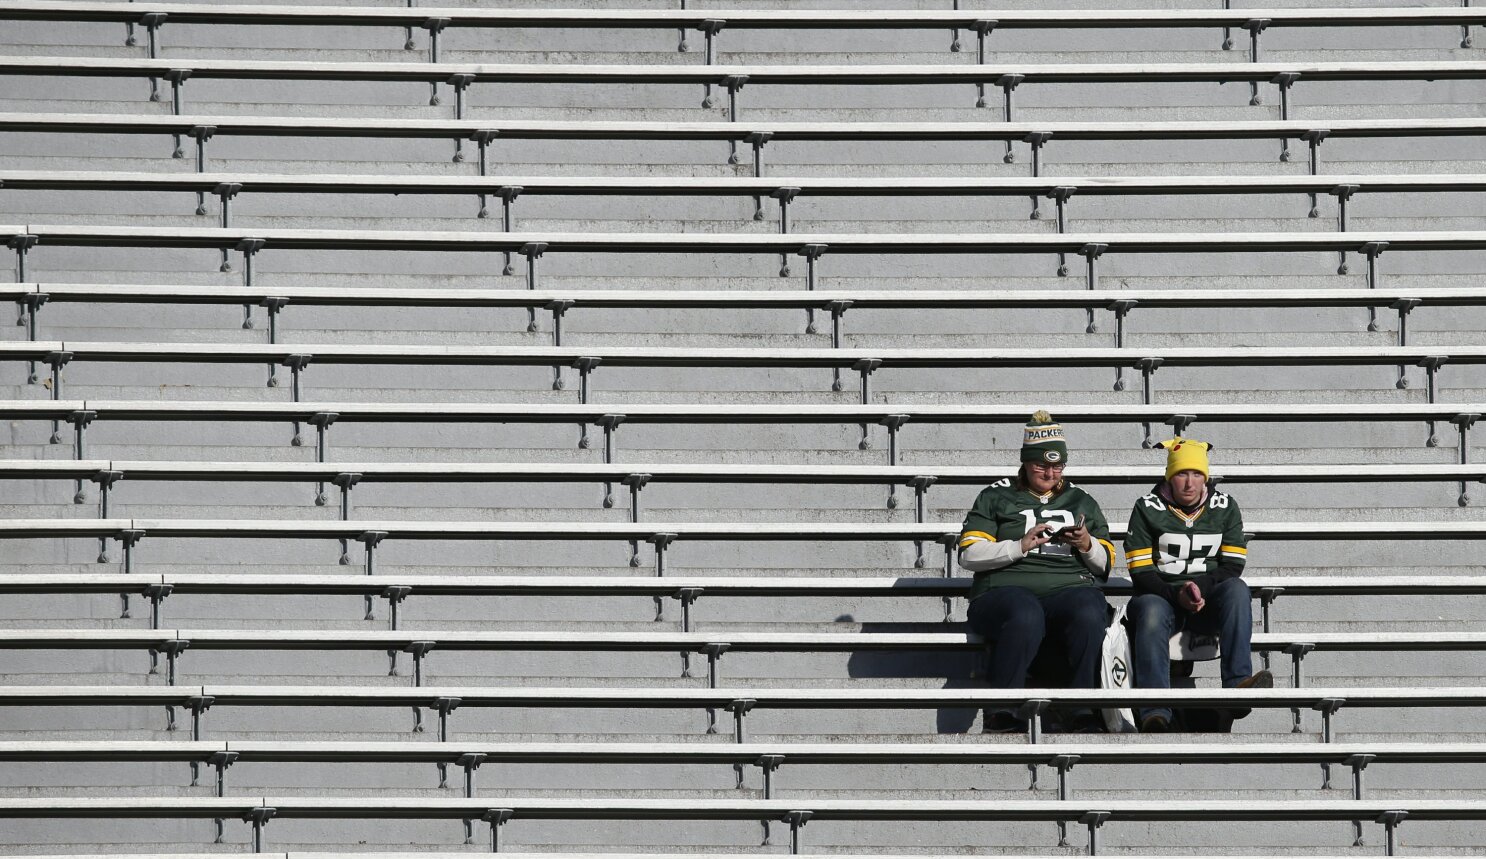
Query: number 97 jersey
1180,547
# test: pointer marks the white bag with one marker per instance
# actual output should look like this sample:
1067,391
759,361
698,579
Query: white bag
1116,673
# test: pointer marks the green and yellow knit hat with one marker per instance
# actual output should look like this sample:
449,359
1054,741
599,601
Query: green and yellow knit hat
1043,441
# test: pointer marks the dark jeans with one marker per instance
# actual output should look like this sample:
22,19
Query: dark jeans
1154,621
1014,622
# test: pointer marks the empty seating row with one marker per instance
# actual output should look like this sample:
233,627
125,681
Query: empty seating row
323,415
787,191
32,297
739,19
863,361
1005,75
484,132
260,810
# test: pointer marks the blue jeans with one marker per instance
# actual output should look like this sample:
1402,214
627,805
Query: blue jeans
1014,622
1154,621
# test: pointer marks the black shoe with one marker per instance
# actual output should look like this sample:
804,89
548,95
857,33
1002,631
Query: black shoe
1003,722
1155,723
1087,723
1259,680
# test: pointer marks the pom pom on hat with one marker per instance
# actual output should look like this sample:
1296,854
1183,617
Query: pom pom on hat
1043,440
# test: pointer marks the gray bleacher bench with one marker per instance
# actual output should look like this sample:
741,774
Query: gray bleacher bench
710,22
1031,704
23,239
863,361
738,19
769,758
713,644
688,590
228,187
1006,76
484,133
277,299
260,810
201,128
81,414
30,298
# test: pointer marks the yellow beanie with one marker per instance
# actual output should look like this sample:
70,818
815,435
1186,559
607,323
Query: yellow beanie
1184,454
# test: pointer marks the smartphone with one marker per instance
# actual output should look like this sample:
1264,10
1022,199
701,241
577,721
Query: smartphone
1062,533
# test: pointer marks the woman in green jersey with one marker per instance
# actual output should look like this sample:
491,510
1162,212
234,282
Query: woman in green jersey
1038,546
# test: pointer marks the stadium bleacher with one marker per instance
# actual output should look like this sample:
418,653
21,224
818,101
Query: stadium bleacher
1089,202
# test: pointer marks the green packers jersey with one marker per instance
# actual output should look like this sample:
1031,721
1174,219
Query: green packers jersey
1181,547
1004,512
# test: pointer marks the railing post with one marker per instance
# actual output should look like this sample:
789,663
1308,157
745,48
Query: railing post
796,821
1007,84
57,360
1091,252
1063,763
1036,140
177,78
1390,821
559,308
920,486
1285,80
1121,309
838,310
1372,250
785,196
811,253
610,424
865,367
482,140
221,761
733,84
1297,652
1148,367
982,30
1343,194
435,27
371,540
1463,423
1404,306
461,83
1313,140
709,29
1060,195
1094,820
1255,26
497,818
152,22
533,251
259,817
662,541
585,366
1358,763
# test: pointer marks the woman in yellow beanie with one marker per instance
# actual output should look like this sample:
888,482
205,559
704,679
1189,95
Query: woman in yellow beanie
1038,546
1186,551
